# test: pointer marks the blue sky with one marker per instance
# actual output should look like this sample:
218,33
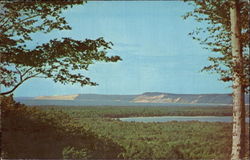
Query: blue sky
152,39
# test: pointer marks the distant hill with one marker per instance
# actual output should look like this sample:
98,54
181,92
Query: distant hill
142,99
156,97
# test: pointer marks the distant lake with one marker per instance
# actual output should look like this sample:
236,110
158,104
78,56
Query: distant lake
180,118
32,102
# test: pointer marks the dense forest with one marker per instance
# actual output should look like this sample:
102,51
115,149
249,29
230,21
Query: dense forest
30,133
94,133
140,111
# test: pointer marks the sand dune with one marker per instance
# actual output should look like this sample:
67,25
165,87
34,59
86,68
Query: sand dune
63,97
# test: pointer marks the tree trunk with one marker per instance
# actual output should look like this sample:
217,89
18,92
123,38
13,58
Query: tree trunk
238,135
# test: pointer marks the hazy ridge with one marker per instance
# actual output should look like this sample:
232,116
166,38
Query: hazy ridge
145,98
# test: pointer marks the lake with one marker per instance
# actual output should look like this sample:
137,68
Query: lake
180,118
32,102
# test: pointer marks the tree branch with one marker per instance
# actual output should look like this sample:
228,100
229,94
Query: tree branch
27,71
12,90
20,74
18,84
20,22
4,22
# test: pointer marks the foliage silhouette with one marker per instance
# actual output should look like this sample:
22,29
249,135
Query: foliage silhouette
31,133
216,16
228,34
63,60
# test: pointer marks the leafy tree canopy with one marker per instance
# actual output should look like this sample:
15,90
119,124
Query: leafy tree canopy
63,60
216,14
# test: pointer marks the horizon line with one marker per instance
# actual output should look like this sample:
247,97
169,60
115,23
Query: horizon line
130,94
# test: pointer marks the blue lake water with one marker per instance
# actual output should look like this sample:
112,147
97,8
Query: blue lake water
32,102
180,118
